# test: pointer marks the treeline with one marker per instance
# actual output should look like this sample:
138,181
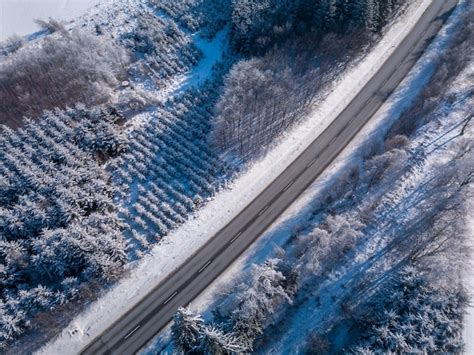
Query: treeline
259,25
64,69
297,48
206,16
59,228
264,97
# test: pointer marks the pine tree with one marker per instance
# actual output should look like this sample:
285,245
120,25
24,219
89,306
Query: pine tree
215,341
58,221
414,317
186,330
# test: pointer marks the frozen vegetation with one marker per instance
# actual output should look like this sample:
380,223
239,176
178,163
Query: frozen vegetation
124,166
166,256
376,262
68,68
169,169
293,51
120,126
59,228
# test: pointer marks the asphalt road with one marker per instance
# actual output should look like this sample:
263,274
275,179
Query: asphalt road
154,312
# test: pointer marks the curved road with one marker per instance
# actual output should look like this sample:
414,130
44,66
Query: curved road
155,310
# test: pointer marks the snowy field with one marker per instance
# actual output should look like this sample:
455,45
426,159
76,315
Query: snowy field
165,257
17,16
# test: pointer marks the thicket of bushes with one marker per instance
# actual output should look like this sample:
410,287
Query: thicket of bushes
169,169
64,69
160,48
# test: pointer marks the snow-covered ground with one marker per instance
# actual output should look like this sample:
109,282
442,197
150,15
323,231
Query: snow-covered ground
178,246
17,16
297,214
213,50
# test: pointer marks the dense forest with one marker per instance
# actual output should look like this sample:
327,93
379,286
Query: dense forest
69,67
59,228
259,25
292,50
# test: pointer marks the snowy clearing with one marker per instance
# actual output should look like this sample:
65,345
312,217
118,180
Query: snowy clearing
212,50
178,245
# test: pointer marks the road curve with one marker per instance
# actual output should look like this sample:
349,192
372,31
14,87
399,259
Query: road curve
155,310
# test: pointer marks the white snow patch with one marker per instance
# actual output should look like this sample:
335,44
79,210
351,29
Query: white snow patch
212,54
213,50
17,16
179,245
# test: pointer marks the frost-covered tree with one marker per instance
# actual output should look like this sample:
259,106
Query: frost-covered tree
59,227
412,316
186,330
328,242
215,341
259,301
251,311
59,72
191,335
